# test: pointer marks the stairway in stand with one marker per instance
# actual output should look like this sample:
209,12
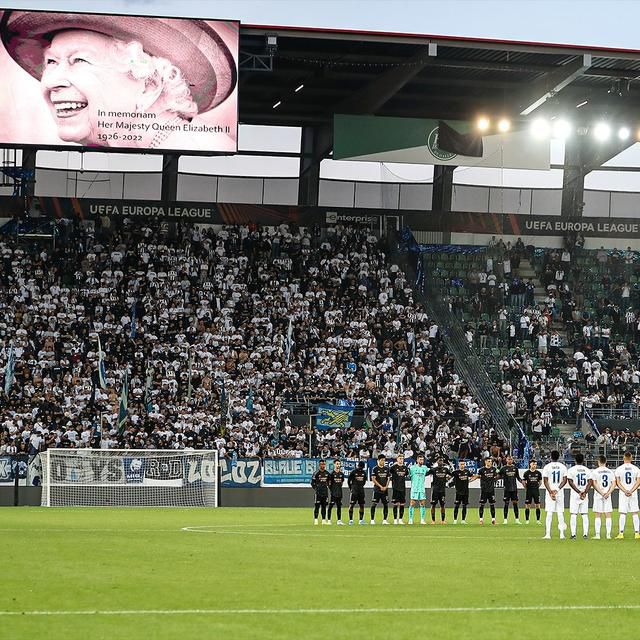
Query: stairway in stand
526,272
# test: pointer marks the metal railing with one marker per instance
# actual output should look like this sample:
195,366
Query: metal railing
309,406
630,411
467,362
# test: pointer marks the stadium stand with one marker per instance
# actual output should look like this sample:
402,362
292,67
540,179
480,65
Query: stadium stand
558,330
210,312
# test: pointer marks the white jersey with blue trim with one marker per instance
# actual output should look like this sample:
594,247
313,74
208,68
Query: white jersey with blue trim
627,475
555,473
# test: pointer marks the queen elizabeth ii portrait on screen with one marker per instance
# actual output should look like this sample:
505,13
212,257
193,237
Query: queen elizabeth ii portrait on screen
130,82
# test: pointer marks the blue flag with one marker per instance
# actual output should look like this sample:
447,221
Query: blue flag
289,342
189,386
97,433
249,403
223,408
9,370
134,325
102,372
331,416
148,404
124,405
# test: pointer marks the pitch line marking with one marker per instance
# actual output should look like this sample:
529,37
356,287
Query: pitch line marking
125,530
74,530
215,612
223,530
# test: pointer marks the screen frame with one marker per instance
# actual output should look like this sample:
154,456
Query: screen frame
180,152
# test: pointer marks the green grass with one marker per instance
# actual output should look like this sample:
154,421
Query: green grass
60,560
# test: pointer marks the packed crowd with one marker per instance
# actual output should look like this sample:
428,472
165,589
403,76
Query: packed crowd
220,332
570,349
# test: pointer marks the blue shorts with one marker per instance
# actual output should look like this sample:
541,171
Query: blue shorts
418,495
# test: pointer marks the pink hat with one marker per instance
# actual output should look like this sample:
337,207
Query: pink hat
191,45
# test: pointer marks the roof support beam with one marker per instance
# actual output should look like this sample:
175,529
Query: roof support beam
378,92
315,145
551,83
583,155
169,188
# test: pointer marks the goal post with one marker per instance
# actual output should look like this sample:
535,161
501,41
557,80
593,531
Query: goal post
129,478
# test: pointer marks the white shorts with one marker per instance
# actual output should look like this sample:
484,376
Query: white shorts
602,505
626,504
554,506
578,506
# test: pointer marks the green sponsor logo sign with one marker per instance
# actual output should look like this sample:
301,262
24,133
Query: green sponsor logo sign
434,150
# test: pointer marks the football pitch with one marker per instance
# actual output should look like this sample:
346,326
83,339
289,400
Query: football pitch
270,574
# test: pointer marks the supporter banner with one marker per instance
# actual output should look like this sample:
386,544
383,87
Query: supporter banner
415,140
6,470
331,416
471,465
133,470
245,473
87,470
371,463
115,82
298,470
163,472
8,467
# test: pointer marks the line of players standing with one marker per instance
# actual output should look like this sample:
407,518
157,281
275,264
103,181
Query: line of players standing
328,491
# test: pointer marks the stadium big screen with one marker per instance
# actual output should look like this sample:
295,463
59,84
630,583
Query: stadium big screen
115,82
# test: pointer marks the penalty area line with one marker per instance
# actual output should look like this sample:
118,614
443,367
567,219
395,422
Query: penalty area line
222,612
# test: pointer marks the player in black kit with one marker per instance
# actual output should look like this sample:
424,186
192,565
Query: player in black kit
460,480
399,473
441,474
336,480
320,484
511,476
488,475
356,481
531,479
380,476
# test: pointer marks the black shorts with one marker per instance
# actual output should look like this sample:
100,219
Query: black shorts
532,497
337,500
486,496
462,498
510,495
399,496
438,496
380,496
357,497
321,498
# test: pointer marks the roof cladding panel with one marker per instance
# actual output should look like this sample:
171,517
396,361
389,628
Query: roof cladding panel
465,75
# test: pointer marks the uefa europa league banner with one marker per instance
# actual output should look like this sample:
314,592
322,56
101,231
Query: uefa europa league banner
415,140
115,82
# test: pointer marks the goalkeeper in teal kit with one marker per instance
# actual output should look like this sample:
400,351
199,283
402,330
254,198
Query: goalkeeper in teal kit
418,474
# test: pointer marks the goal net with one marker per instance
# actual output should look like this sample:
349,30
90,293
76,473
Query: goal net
129,478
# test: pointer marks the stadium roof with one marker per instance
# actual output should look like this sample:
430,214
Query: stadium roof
411,75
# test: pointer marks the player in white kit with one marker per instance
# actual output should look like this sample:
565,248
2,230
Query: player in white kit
603,481
628,481
579,479
554,476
